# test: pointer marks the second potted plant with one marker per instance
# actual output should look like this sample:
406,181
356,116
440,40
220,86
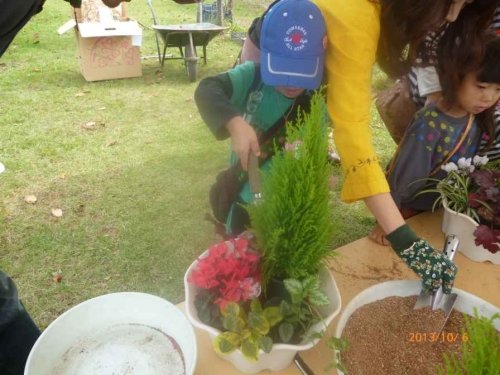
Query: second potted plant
266,295
470,194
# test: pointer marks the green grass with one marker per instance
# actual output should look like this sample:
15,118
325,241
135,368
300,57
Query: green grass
133,190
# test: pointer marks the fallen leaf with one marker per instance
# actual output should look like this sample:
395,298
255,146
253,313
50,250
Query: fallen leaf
80,208
56,212
31,199
57,276
78,94
36,70
63,176
89,125
2,168
101,109
111,143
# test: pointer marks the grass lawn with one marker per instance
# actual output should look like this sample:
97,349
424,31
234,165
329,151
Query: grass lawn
133,187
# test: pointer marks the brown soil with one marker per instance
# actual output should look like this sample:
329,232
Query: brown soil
388,337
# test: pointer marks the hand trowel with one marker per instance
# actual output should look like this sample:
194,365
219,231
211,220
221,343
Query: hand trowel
439,300
254,177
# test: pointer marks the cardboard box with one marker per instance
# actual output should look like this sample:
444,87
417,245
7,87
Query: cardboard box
108,48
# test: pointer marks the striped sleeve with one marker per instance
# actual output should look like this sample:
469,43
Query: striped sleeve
494,152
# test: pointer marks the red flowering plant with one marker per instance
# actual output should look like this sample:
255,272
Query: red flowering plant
227,272
485,199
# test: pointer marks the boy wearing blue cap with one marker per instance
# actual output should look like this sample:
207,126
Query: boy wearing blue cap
252,102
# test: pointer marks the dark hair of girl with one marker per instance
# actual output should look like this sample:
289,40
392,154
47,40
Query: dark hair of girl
483,60
404,25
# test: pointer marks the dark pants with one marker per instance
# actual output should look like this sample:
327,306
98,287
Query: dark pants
240,221
14,15
16,341
18,332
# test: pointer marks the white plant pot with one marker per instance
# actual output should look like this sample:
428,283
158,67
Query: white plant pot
281,355
463,227
465,302
117,333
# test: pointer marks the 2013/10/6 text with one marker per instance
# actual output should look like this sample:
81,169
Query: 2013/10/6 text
437,337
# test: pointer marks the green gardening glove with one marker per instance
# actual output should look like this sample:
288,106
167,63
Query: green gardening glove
433,267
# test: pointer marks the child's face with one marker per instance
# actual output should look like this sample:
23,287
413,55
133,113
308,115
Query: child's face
290,92
475,97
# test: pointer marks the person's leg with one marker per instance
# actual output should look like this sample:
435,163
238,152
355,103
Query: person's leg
14,15
16,341
18,332
238,220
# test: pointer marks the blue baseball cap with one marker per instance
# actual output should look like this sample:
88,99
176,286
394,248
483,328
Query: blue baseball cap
291,44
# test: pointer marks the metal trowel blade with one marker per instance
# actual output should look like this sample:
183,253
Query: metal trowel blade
447,306
423,300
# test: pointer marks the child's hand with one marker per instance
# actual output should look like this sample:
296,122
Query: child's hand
243,139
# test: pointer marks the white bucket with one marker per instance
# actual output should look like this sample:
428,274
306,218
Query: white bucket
465,302
116,333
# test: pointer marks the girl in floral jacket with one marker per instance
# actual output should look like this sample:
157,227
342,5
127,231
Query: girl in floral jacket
450,129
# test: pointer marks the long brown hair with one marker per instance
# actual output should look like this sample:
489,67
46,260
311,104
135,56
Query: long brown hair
404,25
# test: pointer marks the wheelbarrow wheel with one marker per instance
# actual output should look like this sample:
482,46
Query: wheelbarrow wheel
191,62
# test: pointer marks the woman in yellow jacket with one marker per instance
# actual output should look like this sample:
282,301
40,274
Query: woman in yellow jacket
360,34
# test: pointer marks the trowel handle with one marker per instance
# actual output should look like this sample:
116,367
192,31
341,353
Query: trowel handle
450,246
253,173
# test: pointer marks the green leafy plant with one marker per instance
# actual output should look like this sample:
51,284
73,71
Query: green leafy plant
472,188
294,222
339,344
455,187
247,332
300,311
480,353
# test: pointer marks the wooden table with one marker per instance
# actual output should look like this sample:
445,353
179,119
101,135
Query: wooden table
359,265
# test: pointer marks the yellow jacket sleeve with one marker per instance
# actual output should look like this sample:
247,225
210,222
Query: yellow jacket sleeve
353,28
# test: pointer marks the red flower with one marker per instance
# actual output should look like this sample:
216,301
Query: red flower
231,270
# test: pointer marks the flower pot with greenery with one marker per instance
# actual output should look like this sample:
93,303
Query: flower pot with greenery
230,289
470,194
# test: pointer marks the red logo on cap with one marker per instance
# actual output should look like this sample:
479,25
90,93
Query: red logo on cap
296,38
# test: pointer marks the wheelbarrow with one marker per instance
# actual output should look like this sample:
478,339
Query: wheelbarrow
186,37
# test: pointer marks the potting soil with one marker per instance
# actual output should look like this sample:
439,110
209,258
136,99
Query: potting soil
389,337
